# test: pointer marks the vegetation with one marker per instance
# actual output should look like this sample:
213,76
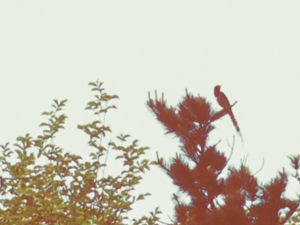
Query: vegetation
43,184
217,193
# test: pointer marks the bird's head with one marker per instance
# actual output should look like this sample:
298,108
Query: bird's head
217,90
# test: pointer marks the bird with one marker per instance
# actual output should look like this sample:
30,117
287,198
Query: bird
225,104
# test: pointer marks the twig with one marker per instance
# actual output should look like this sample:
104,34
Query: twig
220,114
231,147
160,162
261,167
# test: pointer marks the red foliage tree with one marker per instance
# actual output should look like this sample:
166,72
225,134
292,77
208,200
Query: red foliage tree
234,199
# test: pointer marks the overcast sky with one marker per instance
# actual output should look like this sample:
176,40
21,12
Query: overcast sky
52,49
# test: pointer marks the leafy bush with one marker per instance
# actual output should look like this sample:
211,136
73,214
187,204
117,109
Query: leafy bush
43,184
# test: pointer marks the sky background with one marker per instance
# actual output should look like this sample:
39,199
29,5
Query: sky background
52,49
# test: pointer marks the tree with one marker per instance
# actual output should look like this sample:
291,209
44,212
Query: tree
41,183
295,163
218,193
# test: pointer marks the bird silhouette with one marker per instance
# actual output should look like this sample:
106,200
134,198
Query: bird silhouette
225,104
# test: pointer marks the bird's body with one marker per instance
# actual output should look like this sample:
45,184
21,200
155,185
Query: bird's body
225,104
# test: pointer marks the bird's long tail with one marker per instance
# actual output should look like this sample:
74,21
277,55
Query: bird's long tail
235,123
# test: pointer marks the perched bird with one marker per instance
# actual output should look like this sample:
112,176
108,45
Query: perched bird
225,104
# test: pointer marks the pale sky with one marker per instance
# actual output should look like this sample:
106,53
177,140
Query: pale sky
52,49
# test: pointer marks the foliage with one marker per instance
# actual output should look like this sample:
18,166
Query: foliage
43,184
218,193
295,163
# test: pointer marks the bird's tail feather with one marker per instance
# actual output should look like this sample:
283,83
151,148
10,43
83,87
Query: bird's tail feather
235,123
